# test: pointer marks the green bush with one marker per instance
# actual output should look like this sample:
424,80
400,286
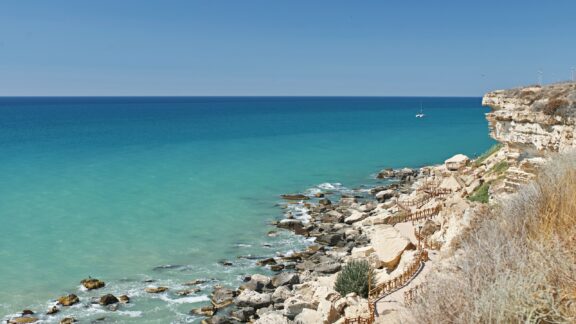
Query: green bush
354,278
500,167
481,194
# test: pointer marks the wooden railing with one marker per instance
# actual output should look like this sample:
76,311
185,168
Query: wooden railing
411,294
426,242
414,216
390,286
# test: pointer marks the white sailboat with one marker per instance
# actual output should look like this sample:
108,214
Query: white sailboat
421,113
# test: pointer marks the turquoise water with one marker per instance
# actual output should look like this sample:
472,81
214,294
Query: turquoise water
114,187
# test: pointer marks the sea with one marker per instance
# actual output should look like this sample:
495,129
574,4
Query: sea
158,191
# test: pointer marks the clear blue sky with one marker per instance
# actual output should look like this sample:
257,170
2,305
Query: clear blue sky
273,47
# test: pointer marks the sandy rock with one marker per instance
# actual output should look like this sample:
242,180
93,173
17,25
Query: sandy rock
285,279
250,298
92,283
361,252
243,314
281,294
155,290
68,300
108,299
389,243
204,311
272,318
222,297
456,162
294,306
328,312
21,320
124,299
355,217
385,194
308,316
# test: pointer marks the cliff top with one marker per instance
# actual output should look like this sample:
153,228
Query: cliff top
558,99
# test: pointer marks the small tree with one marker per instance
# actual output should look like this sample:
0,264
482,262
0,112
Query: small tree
354,278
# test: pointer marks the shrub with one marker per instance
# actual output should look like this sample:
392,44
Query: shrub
481,193
354,277
553,105
518,264
500,167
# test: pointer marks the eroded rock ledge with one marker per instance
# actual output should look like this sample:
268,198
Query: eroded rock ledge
534,118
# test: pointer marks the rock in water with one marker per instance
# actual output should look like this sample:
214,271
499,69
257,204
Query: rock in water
108,299
295,197
21,320
92,283
124,299
204,311
222,297
156,290
68,300
68,320
52,310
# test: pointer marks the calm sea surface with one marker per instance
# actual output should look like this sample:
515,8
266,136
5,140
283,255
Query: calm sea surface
135,189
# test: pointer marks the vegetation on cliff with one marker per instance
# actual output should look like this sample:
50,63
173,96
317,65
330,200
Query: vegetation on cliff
518,264
355,277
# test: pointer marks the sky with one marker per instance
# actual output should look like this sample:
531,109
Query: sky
282,48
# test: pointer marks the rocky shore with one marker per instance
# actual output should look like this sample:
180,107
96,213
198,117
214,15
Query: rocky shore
406,229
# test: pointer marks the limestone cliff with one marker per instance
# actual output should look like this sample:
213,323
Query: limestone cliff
534,119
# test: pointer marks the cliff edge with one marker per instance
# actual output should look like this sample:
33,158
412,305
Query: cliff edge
534,119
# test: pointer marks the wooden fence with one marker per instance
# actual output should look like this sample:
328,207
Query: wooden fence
414,216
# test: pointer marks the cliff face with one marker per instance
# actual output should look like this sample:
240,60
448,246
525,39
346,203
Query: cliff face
534,118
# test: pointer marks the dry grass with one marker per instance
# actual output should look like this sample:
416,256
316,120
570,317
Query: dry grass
518,265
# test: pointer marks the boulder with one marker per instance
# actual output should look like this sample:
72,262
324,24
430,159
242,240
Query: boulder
386,173
277,267
243,314
385,194
207,311
267,261
285,279
456,162
222,297
328,268
355,217
155,290
308,316
186,292
92,283
325,202
21,320
250,298
257,282
330,239
195,282
124,299
281,294
389,244
108,299
68,300
294,306
293,225
68,320
272,318
52,310
332,216
362,252
295,197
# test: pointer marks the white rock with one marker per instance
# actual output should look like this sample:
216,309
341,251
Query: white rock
359,252
272,318
389,243
308,316
295,305
355,217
